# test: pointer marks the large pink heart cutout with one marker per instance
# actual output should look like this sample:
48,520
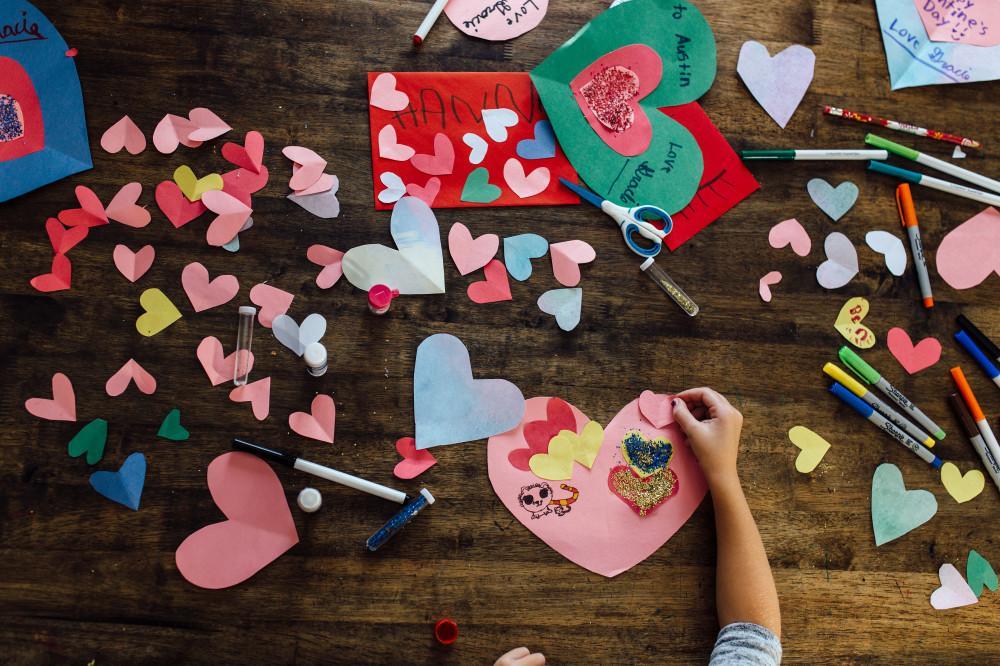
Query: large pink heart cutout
609,90
600,532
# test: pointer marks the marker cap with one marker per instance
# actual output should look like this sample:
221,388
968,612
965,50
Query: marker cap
852,400
380,296
964,417
892,147
967,394
889,170
446,631
866,372
904,204
985,363
849,382
982,341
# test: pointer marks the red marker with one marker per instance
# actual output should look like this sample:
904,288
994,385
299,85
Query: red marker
432,16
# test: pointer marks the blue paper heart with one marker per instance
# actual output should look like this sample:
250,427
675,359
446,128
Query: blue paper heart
564,305
518,251
449,406
646,456
125,485
543,146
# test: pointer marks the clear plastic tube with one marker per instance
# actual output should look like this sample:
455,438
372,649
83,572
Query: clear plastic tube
669,287
244,337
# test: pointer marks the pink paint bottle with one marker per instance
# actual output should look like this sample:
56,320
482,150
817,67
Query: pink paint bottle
380,298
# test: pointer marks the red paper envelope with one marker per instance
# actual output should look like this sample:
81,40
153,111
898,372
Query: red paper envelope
452,104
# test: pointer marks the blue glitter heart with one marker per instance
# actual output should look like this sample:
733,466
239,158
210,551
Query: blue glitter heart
646,456
11,125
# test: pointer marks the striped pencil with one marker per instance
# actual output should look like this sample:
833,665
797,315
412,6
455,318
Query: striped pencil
902,127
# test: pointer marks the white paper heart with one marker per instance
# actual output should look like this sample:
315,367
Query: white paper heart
497,121
297,337
891,247
841,264
564,305
834,201
417,267
477,146
394,188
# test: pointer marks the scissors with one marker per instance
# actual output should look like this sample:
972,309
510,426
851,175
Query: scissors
644,221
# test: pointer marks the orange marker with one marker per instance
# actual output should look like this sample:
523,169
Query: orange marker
976,411
908,218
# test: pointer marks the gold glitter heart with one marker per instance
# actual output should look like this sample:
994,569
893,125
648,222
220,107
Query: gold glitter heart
643,495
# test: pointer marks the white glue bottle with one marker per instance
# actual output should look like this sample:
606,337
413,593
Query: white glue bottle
315,357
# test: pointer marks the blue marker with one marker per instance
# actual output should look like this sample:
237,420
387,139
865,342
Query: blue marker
399,521
884,424
985,363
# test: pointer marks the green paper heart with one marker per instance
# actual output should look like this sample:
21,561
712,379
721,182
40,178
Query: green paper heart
171,427
478,188
896,510
979,572
90,440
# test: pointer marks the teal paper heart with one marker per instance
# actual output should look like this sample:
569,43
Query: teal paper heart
171,427
564,305
834,201
518,251
478,188
979,572
896,510
90,440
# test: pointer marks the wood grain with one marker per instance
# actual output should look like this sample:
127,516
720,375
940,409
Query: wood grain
85,579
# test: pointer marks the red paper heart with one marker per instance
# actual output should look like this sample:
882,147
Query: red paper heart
427,193
913,357
250,155
178,209
414,462
64,239
441,162
538,434
58,279
89,214
496,286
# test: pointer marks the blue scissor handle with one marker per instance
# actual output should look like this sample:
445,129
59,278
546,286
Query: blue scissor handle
630,230
648,213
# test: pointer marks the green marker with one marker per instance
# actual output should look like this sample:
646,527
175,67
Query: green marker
869,375
822,154
933,162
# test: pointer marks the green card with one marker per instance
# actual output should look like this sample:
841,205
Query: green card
602,90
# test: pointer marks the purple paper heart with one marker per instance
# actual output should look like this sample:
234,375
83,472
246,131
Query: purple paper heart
778,83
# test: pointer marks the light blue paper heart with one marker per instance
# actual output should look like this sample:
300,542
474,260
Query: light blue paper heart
896,510
564,305
834,201
125,485
518,251
449,406
543,146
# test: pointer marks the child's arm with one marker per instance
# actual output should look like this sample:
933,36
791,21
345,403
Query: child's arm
744,586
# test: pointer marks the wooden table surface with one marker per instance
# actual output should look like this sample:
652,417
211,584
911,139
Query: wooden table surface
83,578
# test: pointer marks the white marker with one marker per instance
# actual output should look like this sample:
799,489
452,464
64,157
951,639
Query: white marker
815,154
432,16
933,162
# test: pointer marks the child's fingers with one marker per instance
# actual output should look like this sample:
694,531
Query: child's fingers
683,416
536,659
512,656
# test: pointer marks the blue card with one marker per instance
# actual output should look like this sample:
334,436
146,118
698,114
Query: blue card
43,130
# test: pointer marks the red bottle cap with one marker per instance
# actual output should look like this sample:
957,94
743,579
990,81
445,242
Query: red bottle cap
380,296
446,631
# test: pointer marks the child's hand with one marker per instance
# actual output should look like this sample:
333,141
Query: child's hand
712,426
521,656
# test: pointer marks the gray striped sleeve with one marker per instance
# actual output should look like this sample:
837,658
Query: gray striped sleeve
747,644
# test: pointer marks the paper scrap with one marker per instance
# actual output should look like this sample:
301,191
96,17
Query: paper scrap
324,205
330,259
390,148
848,323
891,246
765,283
90,440
130,372
980,573
564,305
133,265
427,192
541,147
471,254
124,134
414,462
962,488
258,394
206,294
159,312
394,188
841,263
496,286
958,153
173,131
124,209
518,251
896,510
778,82
271,302
566,259
913,357
318,422
790,232
257,530
219,368
382,93
834,201
954,591
970,253
812,448
297,337
62,405
449,406
125,485
207,125
487,19
171,427
310,164
477,147
479,189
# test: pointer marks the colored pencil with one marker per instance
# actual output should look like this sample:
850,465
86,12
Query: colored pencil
901,127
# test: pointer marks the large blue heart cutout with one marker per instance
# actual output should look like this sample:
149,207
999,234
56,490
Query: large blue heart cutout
125,485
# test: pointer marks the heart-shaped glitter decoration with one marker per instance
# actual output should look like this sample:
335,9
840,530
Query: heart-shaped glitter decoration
642,495
608,94
646,456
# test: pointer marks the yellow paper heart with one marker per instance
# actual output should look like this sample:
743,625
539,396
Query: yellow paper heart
557,464
160,312
962,488
813,448
194,187
585,445
849,324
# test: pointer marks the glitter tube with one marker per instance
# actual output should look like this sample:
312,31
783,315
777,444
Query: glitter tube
399,521
244,336
669,287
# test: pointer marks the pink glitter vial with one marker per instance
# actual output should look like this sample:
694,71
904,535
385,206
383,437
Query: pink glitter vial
380,298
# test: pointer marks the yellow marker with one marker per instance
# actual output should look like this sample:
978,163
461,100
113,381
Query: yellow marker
874,402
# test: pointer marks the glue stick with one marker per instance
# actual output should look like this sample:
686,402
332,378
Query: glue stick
244,336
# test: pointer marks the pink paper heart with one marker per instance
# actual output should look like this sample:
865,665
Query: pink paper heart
89,214
310,168
128,373
64,239
656,408
566,259
241,183
171,131
471,254
441,162
525,185
207,125
599,531
324,183
124,134
414,462
133,265
330,259
383,94
954,591
249,156
258,527
232,215
258,394
62,405
790,232
218,368
913,358
608,92
123,208
205,294
389,147
765,283
319,422
175,205
428,192
969,253
271,301
495,288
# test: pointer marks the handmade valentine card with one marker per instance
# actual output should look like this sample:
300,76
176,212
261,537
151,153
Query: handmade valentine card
43,132
459,139
641,488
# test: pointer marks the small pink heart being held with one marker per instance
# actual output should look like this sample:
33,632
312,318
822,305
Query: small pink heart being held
414,462
319,422
913,357
258,527
656,408
133,265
